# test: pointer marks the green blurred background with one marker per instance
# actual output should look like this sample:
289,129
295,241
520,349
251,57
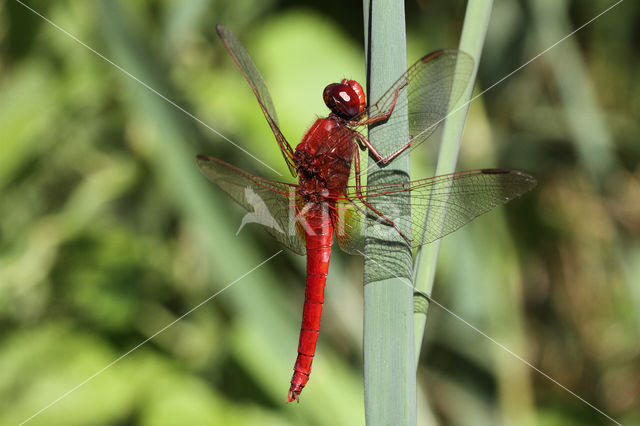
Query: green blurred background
108,232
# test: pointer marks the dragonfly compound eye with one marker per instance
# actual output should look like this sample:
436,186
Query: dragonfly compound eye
359,91
342,100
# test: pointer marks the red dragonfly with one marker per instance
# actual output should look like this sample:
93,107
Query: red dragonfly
304,217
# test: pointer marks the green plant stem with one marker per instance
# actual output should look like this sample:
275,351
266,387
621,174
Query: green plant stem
476,22
389,376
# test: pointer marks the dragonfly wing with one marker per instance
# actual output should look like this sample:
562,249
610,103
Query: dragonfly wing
434,85
349,215
257,84
268,202
439,205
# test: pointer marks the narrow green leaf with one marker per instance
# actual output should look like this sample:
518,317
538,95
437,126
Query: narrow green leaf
476,22
389,375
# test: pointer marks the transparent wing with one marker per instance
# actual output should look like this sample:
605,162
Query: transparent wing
439,205
257,84
270,203
434,84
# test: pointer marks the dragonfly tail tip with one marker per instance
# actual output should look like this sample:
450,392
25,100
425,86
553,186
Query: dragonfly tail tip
293,396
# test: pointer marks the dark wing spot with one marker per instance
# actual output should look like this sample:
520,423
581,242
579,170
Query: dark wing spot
201,157
432,55
495,171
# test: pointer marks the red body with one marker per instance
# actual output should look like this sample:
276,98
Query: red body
323,163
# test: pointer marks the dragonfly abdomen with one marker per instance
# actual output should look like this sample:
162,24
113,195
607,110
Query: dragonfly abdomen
319,236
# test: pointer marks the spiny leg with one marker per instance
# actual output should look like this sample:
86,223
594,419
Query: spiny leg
374,152
384,116
360,196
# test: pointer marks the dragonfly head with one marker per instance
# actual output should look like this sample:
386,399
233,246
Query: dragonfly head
345,99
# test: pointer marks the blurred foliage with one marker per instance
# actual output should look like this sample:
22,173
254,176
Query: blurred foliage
108,233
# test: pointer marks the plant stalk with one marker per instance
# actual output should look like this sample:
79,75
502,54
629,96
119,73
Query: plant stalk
389,375
474,30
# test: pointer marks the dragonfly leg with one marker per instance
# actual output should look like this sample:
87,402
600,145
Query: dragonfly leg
384,116
360,196
356,168
374,152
